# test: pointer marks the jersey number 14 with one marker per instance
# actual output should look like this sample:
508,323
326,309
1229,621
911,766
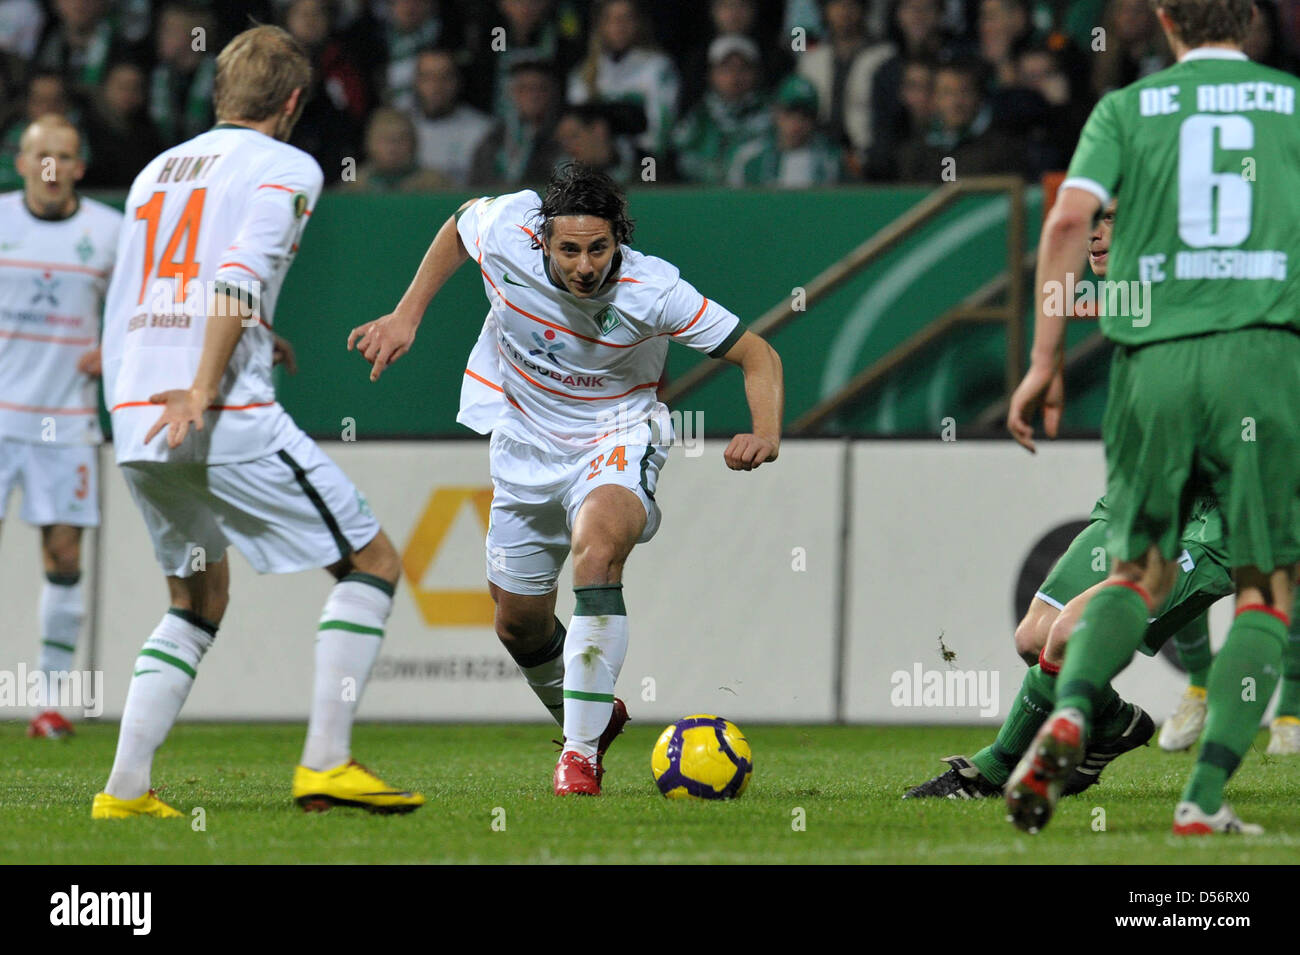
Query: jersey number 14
183,270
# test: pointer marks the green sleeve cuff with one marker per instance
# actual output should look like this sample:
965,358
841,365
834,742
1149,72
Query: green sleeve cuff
725,345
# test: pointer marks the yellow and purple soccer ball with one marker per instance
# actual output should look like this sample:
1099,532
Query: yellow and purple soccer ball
702,757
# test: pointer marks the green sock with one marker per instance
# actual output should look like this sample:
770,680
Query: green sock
1111,714
1028,711
1288,701
1242,679
1103,644
1192,644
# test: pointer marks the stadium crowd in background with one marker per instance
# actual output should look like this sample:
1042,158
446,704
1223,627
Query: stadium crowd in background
426,94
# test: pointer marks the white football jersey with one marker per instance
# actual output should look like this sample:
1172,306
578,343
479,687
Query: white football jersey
223,211
556,371
53,274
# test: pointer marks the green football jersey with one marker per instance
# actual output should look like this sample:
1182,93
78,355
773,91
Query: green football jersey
1205,159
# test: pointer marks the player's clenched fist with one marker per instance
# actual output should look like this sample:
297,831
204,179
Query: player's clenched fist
748,451
383,341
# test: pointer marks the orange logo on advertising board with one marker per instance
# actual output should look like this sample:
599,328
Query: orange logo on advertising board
446,608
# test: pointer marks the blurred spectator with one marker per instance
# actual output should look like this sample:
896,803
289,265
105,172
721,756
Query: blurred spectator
795,155
843,68
599,135
1005,30
1264,42
448,131
46,92
910,117
521,149
21,25
413,25
805,15
916,32
79,44
1052,107
390,157
961,130
623,66
122,139
731,114
311,23
732,16
521,31
180,87
1135,46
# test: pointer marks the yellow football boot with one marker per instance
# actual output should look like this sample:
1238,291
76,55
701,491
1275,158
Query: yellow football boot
350,784
110,807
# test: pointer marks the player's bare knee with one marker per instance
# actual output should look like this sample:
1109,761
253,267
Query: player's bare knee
379,558
61,547
598,562
1031,634
1058,635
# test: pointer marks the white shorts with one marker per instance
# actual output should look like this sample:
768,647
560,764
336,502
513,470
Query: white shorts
59,481
536,496
289,511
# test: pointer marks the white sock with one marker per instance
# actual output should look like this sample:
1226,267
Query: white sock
62,610
164,673
593,656
544,671
348,639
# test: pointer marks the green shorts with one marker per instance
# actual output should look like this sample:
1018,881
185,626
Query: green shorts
1202,577
1216,411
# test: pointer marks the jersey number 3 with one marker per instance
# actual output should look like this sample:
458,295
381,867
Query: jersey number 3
183,270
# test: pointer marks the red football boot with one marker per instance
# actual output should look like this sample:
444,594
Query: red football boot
576,775
617,720
49,725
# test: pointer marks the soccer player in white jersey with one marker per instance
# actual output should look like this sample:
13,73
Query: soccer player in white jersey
564,376
56,253
210,457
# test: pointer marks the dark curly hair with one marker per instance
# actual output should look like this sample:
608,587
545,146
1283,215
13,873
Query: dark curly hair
578,190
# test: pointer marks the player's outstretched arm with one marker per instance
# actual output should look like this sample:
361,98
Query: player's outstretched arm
765,392
387,339
185,406
1061,252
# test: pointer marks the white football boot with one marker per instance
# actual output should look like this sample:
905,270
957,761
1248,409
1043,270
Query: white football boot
1189,820
1284,738
1183,729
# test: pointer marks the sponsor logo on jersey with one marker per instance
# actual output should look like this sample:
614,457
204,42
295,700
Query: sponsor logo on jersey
510,281
547,346
569,380
608,319
45,288
85,249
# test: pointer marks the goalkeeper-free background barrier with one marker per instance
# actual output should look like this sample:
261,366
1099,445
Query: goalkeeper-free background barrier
864,581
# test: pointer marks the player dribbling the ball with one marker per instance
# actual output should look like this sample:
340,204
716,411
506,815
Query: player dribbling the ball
564,377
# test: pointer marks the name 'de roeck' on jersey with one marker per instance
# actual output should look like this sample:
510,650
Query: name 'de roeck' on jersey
224,210
1205,159
557,371
53,275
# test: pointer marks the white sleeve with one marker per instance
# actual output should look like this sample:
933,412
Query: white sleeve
694,320
268,235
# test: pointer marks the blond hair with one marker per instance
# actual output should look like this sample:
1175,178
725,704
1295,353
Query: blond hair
257,72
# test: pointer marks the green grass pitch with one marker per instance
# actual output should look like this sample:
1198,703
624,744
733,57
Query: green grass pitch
847,781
